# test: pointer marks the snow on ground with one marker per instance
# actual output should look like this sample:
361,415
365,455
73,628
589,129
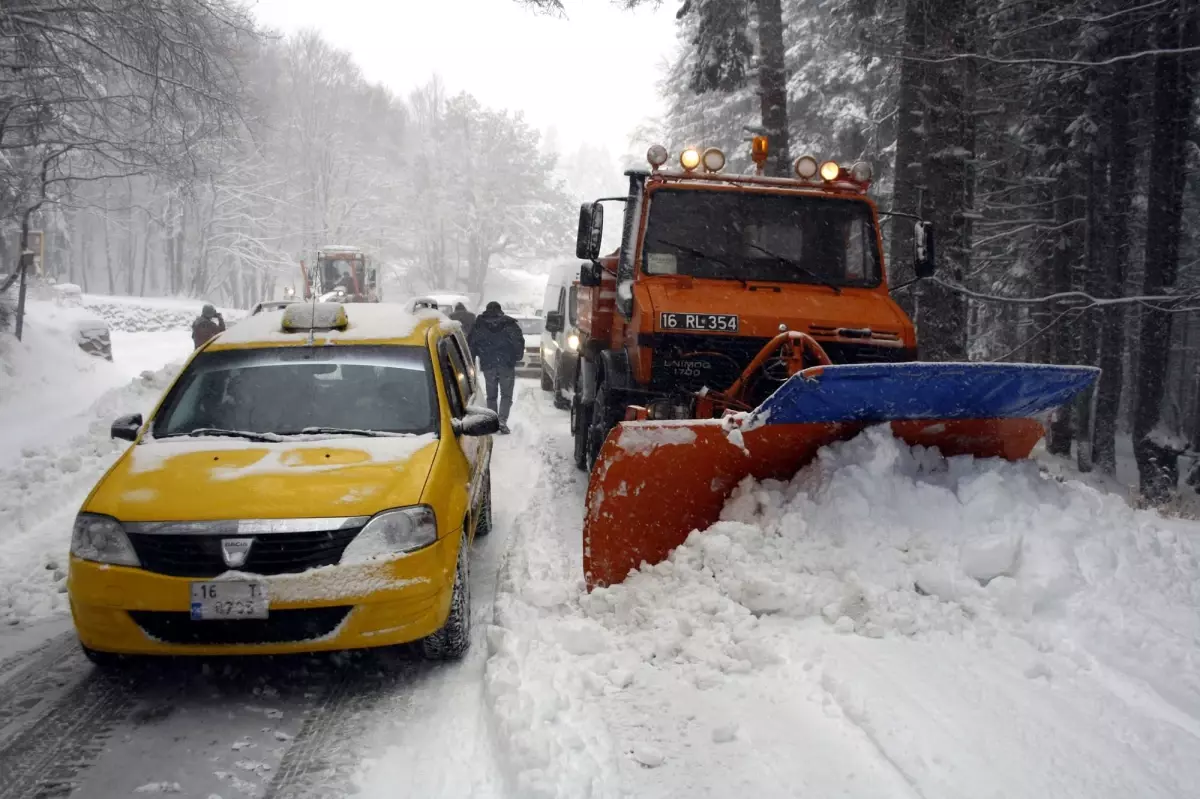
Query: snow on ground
889,623
41,489
56,406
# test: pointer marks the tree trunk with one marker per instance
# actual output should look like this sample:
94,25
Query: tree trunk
910,153
948,165
772,85
1122,152
1173,90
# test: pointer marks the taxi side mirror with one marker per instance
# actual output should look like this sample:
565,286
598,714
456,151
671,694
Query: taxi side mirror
477,422
126,428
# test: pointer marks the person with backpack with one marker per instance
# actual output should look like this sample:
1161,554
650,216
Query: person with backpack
497,341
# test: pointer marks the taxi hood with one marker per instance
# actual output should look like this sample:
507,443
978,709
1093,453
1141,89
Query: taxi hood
760,308
200,479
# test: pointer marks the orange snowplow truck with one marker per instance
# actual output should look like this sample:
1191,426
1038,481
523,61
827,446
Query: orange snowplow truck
743,323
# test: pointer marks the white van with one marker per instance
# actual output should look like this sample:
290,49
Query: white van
560,349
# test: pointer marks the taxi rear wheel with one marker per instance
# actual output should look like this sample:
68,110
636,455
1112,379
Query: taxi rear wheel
484,525
452,641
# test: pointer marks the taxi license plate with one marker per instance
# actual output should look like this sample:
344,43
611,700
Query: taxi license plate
229,599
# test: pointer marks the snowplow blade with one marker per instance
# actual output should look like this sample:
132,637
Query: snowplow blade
655,482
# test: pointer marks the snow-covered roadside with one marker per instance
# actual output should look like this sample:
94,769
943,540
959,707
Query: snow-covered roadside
889,623
41,488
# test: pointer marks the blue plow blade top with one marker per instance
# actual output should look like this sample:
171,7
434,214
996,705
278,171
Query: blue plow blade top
891,391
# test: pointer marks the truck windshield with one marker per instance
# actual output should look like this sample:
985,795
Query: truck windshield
282,391
345,273
726,235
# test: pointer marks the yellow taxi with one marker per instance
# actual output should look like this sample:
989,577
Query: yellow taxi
312,480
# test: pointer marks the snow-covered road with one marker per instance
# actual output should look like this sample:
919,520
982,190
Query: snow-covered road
888,624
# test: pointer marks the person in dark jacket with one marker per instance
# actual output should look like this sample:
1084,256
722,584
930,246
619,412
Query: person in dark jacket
207,325
497,341
464,317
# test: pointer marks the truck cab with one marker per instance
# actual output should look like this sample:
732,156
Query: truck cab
711,267
342,273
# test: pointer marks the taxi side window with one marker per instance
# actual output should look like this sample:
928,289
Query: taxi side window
455,375
459,342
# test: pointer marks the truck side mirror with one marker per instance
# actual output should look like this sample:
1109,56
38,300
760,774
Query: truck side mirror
591,231
554,322
589,275
925,263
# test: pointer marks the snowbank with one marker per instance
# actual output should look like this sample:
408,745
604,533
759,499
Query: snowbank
47,359
888,623
143,314
41,489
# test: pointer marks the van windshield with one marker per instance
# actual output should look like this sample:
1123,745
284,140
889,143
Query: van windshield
725,235
285,390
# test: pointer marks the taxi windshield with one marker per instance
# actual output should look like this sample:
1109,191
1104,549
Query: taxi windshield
290,390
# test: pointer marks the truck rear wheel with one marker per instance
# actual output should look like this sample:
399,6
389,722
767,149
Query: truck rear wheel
581,424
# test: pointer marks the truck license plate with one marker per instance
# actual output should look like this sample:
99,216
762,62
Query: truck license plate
229,599
717,322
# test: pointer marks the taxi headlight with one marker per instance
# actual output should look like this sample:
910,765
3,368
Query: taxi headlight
393,532
102,539
573,341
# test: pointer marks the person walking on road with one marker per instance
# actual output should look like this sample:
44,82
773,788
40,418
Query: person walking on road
464,317
497,341
207,325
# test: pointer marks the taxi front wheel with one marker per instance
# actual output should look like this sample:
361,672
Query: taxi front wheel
484,525
452,641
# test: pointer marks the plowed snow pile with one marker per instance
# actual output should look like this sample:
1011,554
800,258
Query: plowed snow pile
889,623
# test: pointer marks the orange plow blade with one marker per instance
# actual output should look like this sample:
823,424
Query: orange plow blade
656,482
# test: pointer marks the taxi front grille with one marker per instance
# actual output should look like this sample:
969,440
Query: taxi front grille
275,553
281,627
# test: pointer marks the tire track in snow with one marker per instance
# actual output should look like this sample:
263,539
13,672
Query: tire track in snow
37,678
46,760
324,757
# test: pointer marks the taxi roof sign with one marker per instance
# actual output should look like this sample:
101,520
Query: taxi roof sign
304,317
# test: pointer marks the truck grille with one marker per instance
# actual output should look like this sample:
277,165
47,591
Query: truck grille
276,553
281,627
690,362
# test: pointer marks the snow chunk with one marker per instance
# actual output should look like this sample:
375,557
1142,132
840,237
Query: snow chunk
642,440
648,756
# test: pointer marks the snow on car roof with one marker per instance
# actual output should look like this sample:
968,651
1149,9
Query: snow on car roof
368,322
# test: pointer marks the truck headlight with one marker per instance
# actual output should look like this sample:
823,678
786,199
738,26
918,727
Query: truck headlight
573,341
102,539
393,532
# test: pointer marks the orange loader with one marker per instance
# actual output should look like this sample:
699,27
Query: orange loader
744,323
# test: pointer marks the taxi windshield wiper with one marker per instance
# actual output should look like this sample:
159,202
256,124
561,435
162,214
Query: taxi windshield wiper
794,263
218,431
347,431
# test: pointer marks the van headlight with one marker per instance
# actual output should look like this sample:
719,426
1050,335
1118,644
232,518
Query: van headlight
102,539
393,532
573,341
